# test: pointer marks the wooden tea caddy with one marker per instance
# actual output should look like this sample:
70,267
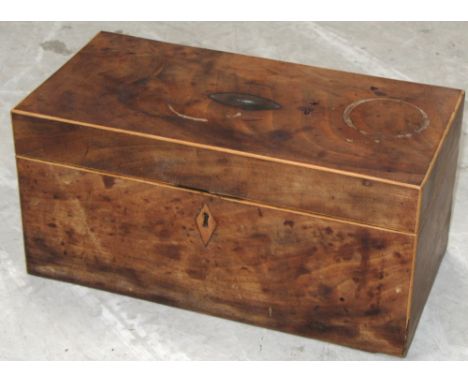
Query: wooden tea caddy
307,200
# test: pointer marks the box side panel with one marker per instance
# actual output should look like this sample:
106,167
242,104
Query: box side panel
287,271
436,208
281,184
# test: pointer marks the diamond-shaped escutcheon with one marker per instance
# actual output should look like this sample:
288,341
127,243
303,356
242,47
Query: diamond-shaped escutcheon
206,224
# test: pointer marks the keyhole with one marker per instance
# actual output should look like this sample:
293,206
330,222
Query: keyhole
205,219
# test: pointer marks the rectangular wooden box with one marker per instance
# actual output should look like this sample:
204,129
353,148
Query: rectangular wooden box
302,199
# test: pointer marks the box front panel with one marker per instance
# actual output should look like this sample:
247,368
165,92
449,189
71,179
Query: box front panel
292,272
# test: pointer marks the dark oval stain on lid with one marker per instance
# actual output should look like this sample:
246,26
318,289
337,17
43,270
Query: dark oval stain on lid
245,101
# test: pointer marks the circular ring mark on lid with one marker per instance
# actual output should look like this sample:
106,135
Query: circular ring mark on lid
380,118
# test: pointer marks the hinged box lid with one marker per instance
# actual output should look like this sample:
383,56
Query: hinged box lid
308,139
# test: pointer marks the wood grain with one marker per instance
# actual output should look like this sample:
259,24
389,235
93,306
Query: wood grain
162,89
434,221
294,273
336,195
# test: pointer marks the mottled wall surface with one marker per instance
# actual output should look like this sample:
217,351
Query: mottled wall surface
43,319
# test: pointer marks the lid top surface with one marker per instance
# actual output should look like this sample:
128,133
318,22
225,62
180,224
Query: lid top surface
344,121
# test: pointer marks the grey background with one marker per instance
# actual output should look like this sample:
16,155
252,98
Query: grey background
50,320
